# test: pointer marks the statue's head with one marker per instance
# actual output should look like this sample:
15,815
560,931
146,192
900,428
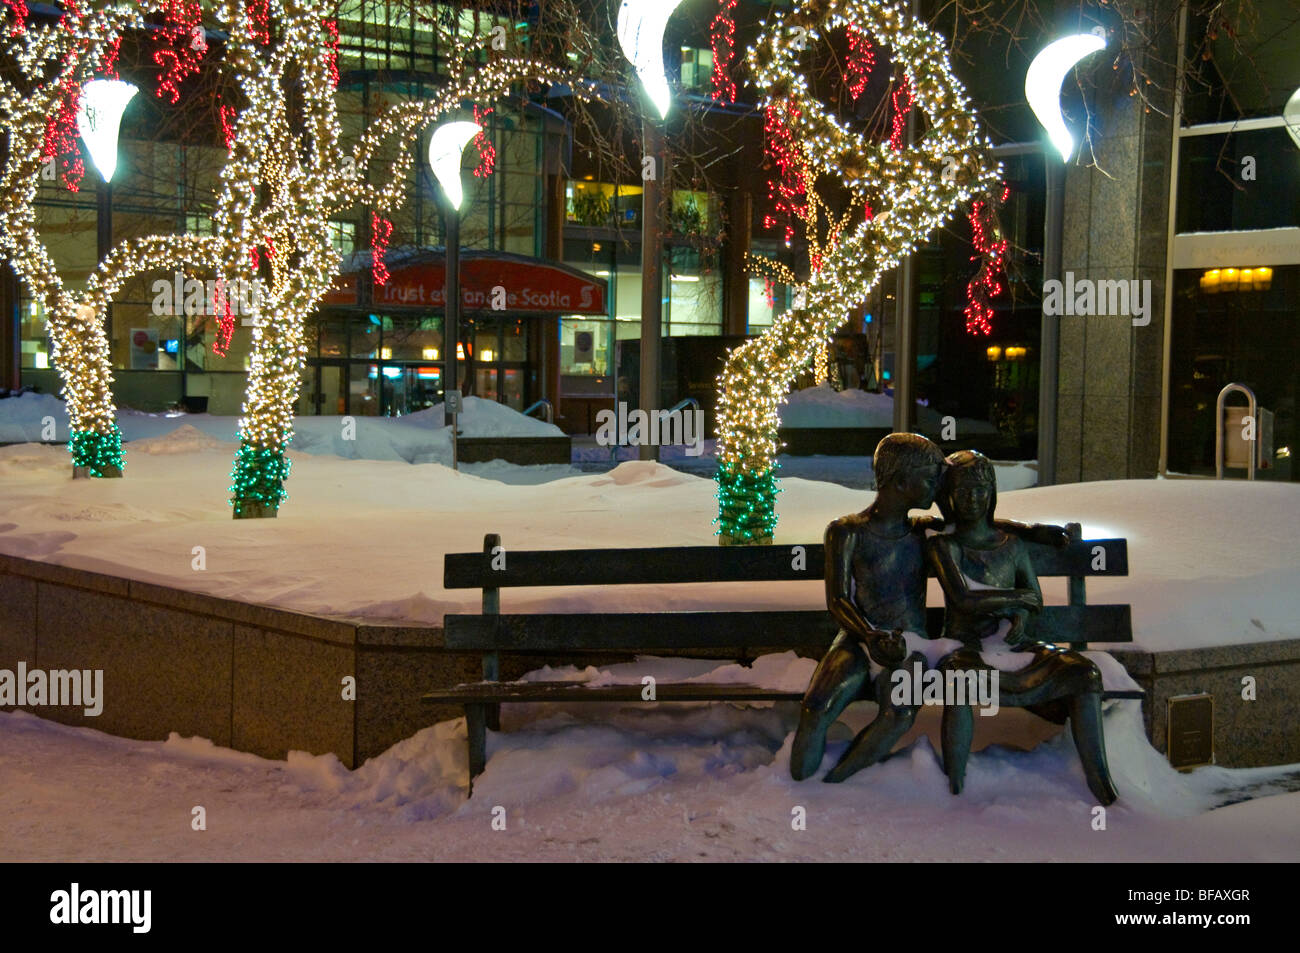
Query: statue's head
908,465
970,487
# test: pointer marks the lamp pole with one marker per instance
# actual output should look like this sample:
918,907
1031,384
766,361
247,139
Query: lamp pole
1043,81
446,146
651,285
451,326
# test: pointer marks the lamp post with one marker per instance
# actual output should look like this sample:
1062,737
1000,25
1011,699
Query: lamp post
446,146
99,122
640,29
1043,92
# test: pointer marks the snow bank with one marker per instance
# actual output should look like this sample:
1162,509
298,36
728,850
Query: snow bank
1211,563
421,437
823,406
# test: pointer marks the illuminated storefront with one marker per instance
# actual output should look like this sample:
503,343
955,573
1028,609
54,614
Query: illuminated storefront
379,350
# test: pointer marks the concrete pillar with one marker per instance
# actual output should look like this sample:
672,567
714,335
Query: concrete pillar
1110,371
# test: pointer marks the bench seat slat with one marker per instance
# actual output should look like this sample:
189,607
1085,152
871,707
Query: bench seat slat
684,564
654,631
578,692
524,692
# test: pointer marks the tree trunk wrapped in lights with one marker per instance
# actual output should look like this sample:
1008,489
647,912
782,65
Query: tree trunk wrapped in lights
918,187
287,176
46,67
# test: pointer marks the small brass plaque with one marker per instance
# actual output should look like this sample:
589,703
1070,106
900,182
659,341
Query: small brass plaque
1191,730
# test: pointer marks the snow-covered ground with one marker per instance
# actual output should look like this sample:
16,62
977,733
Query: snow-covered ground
823,406
1213,563
676,782
420,437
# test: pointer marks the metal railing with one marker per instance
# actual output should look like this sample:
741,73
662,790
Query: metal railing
545,405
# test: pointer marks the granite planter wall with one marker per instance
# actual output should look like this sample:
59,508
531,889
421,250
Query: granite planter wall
269,681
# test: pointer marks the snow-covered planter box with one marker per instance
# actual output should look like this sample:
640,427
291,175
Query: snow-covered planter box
820,420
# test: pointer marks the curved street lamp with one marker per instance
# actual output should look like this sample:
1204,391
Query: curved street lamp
446,148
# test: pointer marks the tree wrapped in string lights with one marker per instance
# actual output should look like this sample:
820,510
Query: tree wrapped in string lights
889,196
45,68
288,174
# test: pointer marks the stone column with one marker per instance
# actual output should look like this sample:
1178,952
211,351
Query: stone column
1111,372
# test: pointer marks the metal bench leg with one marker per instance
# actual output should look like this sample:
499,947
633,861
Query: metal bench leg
492,673
477,737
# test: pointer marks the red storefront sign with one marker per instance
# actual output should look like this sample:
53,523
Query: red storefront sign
529,286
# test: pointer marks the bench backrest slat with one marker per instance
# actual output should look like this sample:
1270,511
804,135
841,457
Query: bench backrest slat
683,564
652,631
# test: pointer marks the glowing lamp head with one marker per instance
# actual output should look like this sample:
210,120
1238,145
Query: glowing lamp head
446,146
1291,116
99,120
640,29
1043,84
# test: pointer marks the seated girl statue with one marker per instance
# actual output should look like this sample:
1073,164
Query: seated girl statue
992,599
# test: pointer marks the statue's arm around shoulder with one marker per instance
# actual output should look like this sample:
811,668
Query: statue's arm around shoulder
927,523
1049,534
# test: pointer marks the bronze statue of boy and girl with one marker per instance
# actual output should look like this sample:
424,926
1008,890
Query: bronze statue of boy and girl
876,569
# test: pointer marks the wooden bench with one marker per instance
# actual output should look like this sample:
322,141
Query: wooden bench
741,635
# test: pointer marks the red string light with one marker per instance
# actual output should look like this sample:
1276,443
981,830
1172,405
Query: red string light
181,46
61,138
228,114
991,251
332,50
487,152
109,66
61,134
20,12
225,320
722,40
259,21
861,61
902,100
787,188
381,229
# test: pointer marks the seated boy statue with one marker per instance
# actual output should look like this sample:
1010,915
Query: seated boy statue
991,598
875,590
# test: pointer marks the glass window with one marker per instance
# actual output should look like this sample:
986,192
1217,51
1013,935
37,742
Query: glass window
1237,327
343,236
365,336
412,338
585,346
514,342
1248,69
1213,194
697,68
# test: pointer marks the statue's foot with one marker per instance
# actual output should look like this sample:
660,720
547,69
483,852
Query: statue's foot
809,745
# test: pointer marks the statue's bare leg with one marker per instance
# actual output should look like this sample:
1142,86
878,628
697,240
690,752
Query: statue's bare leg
958,726
876,740
838,681
1090,740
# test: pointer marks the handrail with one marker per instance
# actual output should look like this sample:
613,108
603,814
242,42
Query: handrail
683,404
1252,408
545,404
